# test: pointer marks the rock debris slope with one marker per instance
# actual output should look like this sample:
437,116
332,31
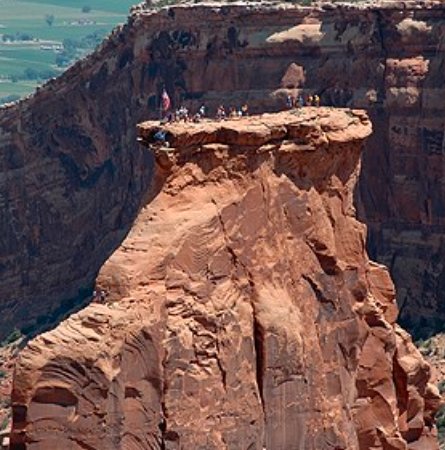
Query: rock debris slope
241,311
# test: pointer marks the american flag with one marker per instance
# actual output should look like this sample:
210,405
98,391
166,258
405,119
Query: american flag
165,101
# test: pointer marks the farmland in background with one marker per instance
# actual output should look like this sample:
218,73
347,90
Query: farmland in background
39,39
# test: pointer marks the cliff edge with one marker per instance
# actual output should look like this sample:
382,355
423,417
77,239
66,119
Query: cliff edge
72,178
241,312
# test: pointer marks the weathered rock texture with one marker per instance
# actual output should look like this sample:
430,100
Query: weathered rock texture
241,311
72,177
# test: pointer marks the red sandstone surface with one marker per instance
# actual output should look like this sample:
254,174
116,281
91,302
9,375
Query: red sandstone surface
72,180
72,177
241,312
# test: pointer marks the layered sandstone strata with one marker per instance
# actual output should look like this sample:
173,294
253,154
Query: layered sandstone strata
241,312
72,177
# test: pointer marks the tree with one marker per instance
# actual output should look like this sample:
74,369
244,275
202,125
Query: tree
30,74
8,37
23,36
49,19
62,60
86,9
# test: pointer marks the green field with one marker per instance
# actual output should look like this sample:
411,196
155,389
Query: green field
114,6
20,18
15,59
21,88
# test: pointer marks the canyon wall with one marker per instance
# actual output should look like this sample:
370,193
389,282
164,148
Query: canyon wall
241,312
72,177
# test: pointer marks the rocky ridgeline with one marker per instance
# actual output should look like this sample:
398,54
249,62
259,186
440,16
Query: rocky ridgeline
240,312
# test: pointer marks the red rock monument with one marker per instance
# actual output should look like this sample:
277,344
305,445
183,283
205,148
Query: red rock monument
241,312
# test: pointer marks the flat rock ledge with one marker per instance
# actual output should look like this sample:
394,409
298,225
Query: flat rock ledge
309,125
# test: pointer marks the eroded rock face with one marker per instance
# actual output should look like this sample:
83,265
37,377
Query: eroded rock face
72,177
241,312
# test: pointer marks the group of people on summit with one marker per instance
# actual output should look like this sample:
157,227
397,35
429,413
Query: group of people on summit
221,113
183,114
299,101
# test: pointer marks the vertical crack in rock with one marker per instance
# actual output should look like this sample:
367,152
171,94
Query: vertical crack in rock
238,263
163,429
258,334
163,419
222,370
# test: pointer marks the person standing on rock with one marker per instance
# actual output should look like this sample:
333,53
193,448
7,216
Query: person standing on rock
289,101
300,101
220,113
316,100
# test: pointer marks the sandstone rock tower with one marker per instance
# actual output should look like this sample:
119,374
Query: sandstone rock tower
242,311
